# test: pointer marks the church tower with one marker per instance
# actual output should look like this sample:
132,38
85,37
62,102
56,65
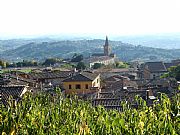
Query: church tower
107,48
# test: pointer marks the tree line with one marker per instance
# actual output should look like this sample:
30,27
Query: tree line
76,61
24,63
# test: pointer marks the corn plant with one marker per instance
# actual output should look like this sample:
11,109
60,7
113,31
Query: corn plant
54,114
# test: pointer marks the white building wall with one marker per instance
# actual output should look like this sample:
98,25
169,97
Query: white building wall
105,62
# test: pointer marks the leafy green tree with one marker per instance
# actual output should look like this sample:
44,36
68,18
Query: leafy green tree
81,65
77,58
67,65
24,63
174,71
121,65
35,63
51,61
3,63
12,64
97,65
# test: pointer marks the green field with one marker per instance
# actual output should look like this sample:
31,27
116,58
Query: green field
28,70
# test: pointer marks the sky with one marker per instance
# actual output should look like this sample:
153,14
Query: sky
103,17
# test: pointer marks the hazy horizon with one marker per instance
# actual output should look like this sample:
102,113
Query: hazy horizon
87,36
29,18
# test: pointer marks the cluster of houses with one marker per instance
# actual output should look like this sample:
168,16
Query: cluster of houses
153,70
106,87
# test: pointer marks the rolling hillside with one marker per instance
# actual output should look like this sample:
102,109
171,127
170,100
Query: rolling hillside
65,49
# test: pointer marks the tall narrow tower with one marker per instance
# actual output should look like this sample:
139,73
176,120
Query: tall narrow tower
107,48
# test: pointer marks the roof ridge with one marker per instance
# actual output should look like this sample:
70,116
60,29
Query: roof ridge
164,65
13,86
84,75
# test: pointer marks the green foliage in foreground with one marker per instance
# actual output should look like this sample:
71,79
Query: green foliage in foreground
44,114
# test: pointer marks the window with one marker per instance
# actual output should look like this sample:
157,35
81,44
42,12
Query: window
70,87
86,86
97,80
78,86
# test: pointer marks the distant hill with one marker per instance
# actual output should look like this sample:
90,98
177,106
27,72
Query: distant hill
14,43
166,41
11,44
44,50
64,49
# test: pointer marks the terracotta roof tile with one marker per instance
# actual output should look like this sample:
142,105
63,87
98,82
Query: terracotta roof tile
83,76
156,66
44,75
11,90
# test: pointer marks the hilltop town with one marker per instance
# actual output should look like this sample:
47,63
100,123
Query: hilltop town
89,67
101,78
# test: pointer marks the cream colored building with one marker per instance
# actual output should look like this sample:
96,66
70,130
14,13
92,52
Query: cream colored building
106,58
82,83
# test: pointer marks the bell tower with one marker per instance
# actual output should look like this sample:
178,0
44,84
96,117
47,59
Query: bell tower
107,48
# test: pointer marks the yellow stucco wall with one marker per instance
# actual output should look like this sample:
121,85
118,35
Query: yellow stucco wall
94,83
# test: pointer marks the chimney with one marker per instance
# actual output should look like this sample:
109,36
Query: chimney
98,95
147,95
75,70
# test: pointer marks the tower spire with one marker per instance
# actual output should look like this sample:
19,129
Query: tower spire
107,48
106,42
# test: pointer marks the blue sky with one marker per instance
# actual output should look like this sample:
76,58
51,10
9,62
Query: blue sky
103,17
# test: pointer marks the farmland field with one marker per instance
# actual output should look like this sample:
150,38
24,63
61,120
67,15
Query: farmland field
46,114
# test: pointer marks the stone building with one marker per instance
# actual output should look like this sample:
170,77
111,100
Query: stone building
106,58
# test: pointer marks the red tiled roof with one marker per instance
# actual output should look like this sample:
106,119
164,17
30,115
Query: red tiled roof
45,75
83,76
15,91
